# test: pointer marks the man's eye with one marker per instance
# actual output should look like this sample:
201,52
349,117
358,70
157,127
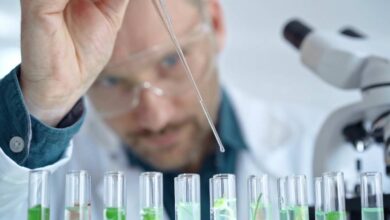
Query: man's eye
109,81
170,60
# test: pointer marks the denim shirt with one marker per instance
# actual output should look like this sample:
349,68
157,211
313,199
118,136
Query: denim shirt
233,141
26,140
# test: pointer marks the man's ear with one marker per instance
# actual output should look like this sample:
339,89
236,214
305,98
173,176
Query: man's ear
217,22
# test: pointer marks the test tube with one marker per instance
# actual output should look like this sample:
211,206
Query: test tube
319,202
223,199
187,197
38,195
151,199
259,200
114,196
78,196
372,196
297,198
334,196
283,198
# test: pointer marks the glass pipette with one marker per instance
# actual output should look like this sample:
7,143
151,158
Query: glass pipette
163,12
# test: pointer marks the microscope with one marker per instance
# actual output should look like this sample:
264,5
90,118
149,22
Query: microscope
350,61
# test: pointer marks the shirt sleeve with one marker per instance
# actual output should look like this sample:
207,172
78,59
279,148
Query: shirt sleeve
26,140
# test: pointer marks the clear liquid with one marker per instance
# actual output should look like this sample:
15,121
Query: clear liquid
320,215
162,8
114,214
372,214
152,214
224,209
188,211
260,212
38,213
298,213
78,213
335,216
283,214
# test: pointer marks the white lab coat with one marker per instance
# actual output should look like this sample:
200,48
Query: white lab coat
280,139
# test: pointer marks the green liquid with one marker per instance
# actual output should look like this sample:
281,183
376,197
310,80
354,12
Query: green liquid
114,214
38,213
78,213
152,214
283,214
298,213
335,216
320,215
372,214
260,212
188,211
224,209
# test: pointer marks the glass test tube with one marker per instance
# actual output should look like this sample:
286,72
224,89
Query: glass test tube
223,199
38,195
114,196
297,198
372,196
151,197
334,196
187,197
283,198
319,202
259,199
78,196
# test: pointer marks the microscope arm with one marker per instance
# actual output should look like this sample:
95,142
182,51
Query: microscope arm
331,136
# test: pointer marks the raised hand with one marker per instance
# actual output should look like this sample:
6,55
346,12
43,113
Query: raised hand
65,45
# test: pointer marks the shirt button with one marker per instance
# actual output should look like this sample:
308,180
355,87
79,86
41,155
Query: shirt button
16,144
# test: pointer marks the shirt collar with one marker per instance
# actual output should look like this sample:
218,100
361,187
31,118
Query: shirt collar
228,126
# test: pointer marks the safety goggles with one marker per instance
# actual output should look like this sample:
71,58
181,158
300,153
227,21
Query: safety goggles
157,70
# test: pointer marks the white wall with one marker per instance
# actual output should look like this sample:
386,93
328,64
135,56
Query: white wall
9,35
261,62
256,58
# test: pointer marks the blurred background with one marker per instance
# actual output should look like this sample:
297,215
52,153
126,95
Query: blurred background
257,59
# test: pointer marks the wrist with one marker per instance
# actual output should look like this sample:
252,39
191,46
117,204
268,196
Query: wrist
50,115
49,105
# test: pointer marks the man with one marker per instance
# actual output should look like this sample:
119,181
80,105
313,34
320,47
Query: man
143,114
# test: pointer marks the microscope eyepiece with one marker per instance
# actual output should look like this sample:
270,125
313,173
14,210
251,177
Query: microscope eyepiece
295,32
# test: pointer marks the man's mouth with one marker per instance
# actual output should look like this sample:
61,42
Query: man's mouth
164,139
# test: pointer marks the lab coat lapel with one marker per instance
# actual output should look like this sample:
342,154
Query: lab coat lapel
280,137
267,133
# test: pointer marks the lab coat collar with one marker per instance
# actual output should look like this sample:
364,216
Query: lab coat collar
270,134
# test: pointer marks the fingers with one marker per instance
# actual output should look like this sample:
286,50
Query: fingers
114,10
117,6
43,6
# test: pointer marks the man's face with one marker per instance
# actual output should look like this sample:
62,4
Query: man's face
169,132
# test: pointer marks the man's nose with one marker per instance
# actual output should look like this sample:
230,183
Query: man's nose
154,110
